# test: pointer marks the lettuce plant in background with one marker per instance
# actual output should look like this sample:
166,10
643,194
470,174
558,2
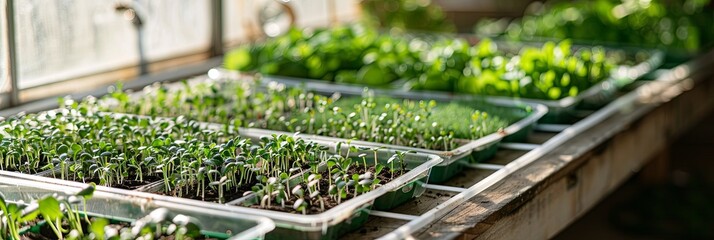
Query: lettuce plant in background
551,72
347,54
357,55
420,15
680,25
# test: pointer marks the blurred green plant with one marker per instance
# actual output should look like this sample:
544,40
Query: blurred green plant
346,54
551,72
357,55
421,15
679,25
61,215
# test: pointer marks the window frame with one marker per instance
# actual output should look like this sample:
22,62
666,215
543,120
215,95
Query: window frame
101,77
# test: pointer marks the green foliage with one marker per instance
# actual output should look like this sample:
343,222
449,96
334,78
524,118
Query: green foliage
340,179
191,159
551,72
349,54
406,15
682,25
55,210
61,214
419,124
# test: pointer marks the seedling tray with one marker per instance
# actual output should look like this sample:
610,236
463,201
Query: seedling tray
475,151
352,213
340,219
411,189
125,205
388,201
119,220
470,150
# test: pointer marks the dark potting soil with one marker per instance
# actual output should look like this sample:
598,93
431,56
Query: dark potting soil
14,169
315,206
211,194
129,182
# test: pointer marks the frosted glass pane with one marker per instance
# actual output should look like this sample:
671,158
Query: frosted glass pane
4,82
311,13
241,16
63,39
347,10
176,27
236,19
240,20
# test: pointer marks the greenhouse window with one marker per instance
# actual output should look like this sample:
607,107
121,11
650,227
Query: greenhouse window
62,40
77,46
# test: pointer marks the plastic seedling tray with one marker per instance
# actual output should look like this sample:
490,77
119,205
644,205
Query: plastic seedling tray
37,228
352,213
518,133
470,150
562,110
345,217
125,205
389,200
410,189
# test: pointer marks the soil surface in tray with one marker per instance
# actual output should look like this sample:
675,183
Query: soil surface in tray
12,169
328,202
211,194
129,182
